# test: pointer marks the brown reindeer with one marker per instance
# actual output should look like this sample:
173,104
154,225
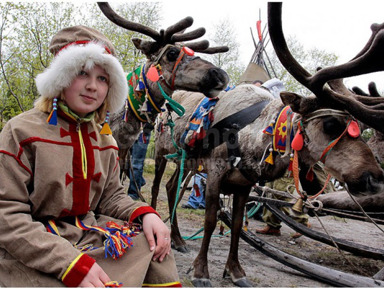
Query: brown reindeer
365,108
175,66
349,160
371,203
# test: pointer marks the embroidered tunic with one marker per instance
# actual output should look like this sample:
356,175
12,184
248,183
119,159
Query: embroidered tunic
56,173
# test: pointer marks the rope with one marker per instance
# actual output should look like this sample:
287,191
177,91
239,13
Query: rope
179,155
334,243
362,210
176,107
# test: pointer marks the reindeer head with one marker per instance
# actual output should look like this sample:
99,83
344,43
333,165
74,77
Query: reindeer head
173,57
326,117
367,109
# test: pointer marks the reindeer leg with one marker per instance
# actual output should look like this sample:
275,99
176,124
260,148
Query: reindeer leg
233,267
178,242
123,155
212,193
160,165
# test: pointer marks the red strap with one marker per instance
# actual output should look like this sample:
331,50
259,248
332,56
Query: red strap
332,144
181,55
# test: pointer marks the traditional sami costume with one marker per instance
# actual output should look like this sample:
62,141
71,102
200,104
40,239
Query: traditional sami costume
62,206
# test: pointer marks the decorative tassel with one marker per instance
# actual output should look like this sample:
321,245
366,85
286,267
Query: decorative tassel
106,129
125,115
141,85
118,240
290,167
269,129
269,159
52,118
113,284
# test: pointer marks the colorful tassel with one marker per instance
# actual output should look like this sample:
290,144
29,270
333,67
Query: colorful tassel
106,129
52,118
118,238
113,284
269,159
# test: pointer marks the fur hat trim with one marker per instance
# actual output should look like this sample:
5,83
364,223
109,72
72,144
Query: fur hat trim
70,61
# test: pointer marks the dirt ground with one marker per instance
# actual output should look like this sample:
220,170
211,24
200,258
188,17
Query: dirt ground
261,270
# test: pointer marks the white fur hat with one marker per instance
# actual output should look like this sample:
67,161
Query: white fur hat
76,48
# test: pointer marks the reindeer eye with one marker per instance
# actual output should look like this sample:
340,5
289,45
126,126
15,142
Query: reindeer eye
333,127
172,54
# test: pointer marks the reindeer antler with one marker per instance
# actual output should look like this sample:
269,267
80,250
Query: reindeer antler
367,109
171,35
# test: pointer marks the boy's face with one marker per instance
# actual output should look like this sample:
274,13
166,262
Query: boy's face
87,91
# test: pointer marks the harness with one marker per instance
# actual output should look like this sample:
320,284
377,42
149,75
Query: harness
226,131
352,129
140,99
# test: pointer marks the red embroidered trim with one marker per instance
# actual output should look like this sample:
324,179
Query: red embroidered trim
141,211
18,161
105,148
79,271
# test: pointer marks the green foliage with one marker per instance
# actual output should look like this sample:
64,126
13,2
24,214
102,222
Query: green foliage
224,34
367,134
26,30
311,59
24,37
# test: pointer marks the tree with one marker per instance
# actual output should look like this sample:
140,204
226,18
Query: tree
310,59
26,30
145,13
224,34
25,35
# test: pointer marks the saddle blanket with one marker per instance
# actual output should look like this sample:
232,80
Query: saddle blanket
199,122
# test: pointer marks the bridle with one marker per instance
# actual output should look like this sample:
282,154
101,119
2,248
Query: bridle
155,74
351,129
184,50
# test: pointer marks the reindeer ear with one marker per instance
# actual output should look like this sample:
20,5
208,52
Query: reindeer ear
291,99
146,47
298,103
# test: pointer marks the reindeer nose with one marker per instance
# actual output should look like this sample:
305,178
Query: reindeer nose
367,183
219,78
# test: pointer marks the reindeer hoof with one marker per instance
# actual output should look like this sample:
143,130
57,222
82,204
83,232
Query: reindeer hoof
243,282
181,249
201,282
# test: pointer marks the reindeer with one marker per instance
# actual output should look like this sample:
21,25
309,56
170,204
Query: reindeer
342,199
315,123
172,66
